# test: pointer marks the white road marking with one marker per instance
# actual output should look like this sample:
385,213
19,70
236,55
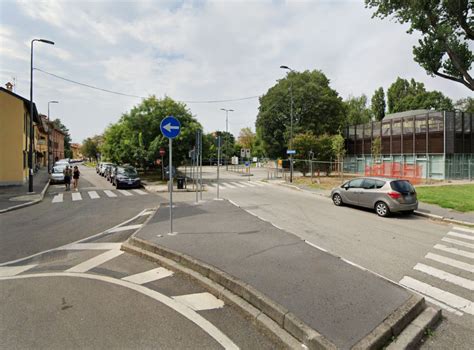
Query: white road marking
264,183
140,192
212,185
248,184
455,241
58,198
95,261
149,276
109,193
93,194
454,251
91,246
145,213
187,312
125,193
259,184
125,228
76,196
226,185
451,262
445,276
463,229
200,301
444,306
461,235
447,298
238,184
7,271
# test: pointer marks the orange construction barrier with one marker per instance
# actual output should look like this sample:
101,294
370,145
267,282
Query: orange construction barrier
408,172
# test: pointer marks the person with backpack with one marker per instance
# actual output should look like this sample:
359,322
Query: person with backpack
67,177
75,177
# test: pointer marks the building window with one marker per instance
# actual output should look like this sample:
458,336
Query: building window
376,129
368,130
360,130
351,133
408,125
436,123
386,129
396,127
458,122
467,123
420,125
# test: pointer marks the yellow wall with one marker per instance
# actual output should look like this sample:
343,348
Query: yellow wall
12,140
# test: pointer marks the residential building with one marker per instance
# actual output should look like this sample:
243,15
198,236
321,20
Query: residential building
56,139
76,151
428,144
41,141
14,137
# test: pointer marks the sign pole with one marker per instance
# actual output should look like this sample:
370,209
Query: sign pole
171,184
200,160
218,162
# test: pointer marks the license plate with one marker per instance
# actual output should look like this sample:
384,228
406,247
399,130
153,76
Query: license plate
130,182
408,198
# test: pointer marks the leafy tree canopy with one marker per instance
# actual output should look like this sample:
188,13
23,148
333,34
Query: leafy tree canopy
446,27
465,105
136,138
316,108
404,95
246,138
378,104
357,111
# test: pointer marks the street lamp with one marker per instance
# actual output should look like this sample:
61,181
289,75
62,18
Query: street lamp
291,123
30,161
227,132
49,132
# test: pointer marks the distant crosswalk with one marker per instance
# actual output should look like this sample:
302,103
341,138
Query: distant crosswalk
236,185
446,275
86,195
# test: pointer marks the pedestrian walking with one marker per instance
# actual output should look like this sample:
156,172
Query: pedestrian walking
67,177
75,177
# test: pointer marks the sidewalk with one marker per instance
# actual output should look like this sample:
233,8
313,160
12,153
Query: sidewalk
11,196
423,208
346,305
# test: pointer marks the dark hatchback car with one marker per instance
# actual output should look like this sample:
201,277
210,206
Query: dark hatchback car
126,177
385,195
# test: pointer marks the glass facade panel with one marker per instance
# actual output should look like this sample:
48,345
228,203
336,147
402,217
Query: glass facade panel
351,133
458,122
386,129
396,127
436,123
359,130
467,123
420,124
408,125
376,129
368,130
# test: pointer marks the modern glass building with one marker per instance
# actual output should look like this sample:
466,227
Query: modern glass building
439,143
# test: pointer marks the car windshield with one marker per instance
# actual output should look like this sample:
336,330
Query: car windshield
126,171
402,186
58,169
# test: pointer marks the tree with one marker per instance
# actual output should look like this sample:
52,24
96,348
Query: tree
316,108
357,111
376,148
90,148
378,104
404,95
465,105
136,138
446,27
246,138
67,137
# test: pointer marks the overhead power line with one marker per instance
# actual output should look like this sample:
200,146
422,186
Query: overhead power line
136,96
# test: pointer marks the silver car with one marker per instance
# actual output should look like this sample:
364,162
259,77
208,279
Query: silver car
57,175
382,194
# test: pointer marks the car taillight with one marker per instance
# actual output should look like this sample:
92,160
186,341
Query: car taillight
394,195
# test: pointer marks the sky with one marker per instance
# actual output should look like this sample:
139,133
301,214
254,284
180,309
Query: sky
197,51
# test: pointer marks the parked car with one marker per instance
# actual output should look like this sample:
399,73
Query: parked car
109,172
56,175
62,162
97,167
167,172
126,176
384,195
103,167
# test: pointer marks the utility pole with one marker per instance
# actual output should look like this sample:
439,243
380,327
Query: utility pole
218,162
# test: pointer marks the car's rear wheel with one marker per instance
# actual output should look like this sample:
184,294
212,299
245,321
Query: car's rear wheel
337,200
381,208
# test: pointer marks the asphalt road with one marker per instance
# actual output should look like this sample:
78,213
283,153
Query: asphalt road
396,248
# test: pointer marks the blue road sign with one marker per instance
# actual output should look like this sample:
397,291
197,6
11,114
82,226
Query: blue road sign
170,127
247,163
290,151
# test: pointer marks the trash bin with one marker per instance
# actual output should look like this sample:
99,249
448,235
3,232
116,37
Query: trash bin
181,181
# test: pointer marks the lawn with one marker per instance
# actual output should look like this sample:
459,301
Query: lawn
457,197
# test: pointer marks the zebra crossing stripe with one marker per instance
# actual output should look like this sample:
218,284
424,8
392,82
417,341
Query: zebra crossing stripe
139,192
258,184
149,276
200,301
58,198
109,193
125,193
238,184
454,251
463,229
248,184
7,271
455,241
212,185
93,194
225,184
451,262
76,196
95,261
445,276
447,298
461,235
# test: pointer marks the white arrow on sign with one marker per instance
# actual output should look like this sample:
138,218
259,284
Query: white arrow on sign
168,127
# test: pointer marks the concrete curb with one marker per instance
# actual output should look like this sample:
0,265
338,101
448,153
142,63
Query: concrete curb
219,282
27,204
419,213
